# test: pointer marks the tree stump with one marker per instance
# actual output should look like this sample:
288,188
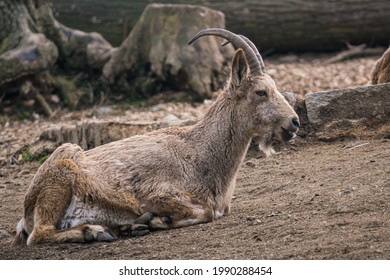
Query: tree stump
89,134
155,56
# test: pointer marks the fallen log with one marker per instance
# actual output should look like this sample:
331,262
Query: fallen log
278,26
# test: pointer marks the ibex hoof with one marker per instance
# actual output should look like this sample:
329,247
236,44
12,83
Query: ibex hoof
139,230
144,219
98,233
139,227
134,230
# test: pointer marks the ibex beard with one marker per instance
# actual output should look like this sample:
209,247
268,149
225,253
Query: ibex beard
166,179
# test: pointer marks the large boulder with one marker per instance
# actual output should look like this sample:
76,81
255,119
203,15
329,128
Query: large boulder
358,111
155,56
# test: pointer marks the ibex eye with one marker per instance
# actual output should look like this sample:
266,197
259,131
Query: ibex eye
261,93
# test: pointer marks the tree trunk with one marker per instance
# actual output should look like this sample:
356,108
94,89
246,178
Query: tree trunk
24,51
279,26
32,41
300,25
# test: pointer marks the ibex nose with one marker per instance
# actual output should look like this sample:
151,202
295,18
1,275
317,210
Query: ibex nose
295,123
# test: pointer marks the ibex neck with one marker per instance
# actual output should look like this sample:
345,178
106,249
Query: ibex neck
223,137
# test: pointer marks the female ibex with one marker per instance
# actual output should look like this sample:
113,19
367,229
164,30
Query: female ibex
166,179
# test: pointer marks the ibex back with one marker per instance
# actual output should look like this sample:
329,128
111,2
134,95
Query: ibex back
169,178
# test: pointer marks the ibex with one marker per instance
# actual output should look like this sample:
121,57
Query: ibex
170,178
381,72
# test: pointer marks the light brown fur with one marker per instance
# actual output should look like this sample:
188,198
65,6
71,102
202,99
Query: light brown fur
381,72
166,179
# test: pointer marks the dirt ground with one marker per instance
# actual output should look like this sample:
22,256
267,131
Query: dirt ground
313,200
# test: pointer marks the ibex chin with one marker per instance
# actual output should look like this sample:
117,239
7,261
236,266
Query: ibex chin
170,178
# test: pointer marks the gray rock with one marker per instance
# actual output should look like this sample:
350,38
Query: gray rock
290,97
170,118
349,109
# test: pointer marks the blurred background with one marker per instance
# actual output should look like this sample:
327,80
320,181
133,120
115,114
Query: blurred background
77,54
275,25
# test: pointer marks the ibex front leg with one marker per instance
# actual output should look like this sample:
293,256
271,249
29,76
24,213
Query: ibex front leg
175,210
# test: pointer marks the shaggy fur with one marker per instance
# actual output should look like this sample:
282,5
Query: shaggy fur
381,72
166,179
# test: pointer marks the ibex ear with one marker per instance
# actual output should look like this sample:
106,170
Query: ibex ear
240,69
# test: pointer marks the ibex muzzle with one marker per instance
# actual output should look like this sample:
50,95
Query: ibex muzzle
169,178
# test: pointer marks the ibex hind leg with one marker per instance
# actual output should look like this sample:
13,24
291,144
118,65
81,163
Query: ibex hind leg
53,194
80,234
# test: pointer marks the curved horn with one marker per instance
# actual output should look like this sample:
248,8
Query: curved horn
250,43
237,42
258,55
